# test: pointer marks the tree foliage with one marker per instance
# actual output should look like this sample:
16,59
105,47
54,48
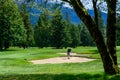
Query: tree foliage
85,37
12,30
27,25
42,30
118,30
58,29
52,30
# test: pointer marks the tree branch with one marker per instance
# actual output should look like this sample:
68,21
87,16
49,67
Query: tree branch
95,11
66,1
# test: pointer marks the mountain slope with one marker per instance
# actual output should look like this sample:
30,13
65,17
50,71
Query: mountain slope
67,8
73,17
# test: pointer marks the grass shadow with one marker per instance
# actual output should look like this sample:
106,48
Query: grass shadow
58,77
94,51
7,59
8,50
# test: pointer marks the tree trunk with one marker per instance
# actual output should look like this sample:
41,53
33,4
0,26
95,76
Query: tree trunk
111,31
6,45
95,11
96,35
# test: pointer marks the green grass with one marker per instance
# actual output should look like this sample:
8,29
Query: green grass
30,53
14,65
85,50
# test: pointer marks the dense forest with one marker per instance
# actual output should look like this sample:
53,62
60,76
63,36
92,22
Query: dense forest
51,30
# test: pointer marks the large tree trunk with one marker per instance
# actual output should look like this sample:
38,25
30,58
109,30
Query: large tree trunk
108,62
111,31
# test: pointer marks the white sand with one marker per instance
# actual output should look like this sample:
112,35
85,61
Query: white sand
61,60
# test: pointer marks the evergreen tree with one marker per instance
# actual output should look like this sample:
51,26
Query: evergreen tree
72,33
118,30
68,18
11,26
58,35
67,24
42,30
75,37
37,35
67,35
85,37
27,25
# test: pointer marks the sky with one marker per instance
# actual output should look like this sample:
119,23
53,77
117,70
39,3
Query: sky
88,5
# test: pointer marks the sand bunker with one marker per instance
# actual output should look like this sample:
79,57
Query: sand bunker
62,60
72,54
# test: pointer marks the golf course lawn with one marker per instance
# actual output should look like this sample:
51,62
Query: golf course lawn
15,65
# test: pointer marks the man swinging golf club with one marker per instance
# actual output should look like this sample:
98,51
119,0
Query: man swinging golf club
68,53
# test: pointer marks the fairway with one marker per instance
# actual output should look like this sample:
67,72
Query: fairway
15,65
59,39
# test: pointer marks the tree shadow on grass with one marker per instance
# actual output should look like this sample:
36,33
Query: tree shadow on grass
8,50
94,51
58,77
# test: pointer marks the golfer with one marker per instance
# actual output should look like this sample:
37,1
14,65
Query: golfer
68,53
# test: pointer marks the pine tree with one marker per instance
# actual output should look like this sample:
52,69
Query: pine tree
67,24
57,24
29,30
11,26
85,37
75,37
42,30
118,30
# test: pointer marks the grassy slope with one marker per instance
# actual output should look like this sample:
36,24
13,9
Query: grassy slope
14,65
